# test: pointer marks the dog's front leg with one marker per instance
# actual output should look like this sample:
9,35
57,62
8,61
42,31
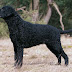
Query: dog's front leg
18,56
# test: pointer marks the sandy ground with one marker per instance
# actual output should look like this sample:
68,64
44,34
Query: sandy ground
35,59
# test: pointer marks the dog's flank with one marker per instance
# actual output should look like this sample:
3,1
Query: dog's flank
24,35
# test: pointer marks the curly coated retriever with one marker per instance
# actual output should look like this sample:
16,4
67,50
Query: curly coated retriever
24,35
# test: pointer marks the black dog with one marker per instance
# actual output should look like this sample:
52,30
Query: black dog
24,35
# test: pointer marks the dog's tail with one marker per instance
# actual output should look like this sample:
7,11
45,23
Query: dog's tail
65,31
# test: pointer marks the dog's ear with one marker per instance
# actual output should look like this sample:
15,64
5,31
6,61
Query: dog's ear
4,15
6,11
10,14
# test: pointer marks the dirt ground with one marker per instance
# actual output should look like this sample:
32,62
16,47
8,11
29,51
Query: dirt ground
35,59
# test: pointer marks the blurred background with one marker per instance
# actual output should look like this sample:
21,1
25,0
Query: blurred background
35,11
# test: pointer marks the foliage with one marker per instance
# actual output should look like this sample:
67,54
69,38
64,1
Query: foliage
3,30
43,8
66,10
27,16
16,3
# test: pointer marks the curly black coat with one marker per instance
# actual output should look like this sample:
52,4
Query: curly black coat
24,35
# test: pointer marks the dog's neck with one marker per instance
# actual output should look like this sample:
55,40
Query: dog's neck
13,22
13,19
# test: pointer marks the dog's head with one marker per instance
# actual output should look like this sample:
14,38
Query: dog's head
6,11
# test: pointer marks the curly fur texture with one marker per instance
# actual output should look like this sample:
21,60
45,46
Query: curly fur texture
24,35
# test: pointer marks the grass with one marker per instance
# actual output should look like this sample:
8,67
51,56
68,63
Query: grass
66,46
69,46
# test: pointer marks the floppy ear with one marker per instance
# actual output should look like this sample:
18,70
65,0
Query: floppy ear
10,14
4,15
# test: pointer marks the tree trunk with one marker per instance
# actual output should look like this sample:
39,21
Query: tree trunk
49,12
35,4
56,7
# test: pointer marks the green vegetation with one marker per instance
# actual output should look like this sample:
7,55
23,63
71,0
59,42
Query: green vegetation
66,10
67,46
3,30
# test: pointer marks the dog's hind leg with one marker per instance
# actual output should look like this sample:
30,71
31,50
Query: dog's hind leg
55,47
65,57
